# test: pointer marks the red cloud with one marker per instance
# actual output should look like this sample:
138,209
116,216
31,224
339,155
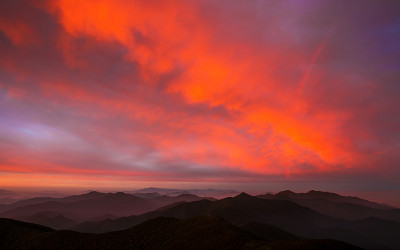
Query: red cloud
161,88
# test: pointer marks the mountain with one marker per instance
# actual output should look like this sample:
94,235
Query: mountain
282,214
165,199
268,232
240,209
345,207
50,219
38,200
14,233
61,213
312,194
285,216
6,197
88,206
203,232
26,202
372,227
152,195
216,193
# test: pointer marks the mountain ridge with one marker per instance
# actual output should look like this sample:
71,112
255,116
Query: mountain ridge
243,208
202,232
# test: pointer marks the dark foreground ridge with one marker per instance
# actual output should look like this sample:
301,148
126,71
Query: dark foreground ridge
202,232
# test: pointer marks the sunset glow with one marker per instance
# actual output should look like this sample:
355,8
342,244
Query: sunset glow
199,91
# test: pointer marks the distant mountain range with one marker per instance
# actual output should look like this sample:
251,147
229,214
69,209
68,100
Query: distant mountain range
286,217
6,197
319,195
216,193
344,207
61,213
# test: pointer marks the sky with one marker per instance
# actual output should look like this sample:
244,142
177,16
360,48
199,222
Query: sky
258,95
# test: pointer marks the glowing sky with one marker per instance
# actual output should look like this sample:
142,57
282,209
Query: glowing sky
120,91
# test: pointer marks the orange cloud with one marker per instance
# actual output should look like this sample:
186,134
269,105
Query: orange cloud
180,88
20,33
162,36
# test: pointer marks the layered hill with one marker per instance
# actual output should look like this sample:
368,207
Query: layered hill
344,207
64,212
219,193
285,215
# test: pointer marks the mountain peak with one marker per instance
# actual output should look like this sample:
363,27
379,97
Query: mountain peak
187,195
315,192
120,193
243,195
93,192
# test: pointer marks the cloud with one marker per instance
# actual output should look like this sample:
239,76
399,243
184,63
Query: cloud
199,91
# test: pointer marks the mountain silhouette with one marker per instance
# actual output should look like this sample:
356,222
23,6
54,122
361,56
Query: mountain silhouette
199,192
50,219
285,215
240,209
313,194
203,232
345,207
61,213
113,203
